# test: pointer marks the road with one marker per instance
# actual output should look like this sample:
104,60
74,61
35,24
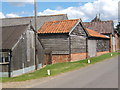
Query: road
100,75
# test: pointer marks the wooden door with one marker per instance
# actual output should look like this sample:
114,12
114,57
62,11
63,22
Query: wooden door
92,48
48,58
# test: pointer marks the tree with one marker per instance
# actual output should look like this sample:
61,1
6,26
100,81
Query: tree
118,28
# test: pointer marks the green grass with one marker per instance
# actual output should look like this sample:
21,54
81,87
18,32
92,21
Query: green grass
58,68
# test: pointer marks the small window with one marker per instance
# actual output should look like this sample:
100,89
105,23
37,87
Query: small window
4,57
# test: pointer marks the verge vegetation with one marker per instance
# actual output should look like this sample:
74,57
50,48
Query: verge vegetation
59,68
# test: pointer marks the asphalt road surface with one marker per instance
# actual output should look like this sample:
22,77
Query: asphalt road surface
100,75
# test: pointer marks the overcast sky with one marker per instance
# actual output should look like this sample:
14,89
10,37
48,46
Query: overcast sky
86,10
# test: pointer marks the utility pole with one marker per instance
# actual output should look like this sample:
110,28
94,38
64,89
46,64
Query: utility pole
35,21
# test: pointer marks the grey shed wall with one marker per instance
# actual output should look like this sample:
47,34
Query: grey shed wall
78,44
97,45
103,45
21,40
78,40
10,37
40,54
57,43
23,54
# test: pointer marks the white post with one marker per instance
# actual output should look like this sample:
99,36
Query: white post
48,72
111,54
88,61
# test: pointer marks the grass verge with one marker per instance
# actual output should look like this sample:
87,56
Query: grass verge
58,68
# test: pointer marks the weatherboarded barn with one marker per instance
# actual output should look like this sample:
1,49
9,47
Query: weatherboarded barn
106,28
98,44
68,40
18,44
17,55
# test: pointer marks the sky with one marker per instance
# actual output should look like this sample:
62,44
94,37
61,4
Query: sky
84,9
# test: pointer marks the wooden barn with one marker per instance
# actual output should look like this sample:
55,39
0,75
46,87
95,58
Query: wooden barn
17,47
105,28
98,44
17,55
68,40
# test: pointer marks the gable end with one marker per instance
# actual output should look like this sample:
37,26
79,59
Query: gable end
78,30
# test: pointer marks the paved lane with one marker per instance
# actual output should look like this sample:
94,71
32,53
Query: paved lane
100,75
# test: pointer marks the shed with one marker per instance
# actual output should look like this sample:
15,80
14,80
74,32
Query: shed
68,40
106,28
97,43
17,55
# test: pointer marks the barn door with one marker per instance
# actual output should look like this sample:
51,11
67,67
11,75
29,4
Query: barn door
48,58
92,48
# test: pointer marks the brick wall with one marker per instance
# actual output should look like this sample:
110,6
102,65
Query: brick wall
60,58
74,57
100,53
78,56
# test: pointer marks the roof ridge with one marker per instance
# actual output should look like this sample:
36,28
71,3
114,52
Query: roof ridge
33,16
63,20
16,25
99,21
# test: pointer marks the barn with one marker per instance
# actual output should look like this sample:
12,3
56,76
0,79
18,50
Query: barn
17,55
98,44
17,47
105,28
69,40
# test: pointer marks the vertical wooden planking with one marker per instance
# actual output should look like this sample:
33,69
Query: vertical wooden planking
78,44
103,45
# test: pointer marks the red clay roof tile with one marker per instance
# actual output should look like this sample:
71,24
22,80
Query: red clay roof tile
62,26
95,34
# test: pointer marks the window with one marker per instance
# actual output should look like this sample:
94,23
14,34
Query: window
4,57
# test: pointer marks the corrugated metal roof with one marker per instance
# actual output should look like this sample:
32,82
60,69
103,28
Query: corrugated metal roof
11,34
63,26
26,20
95,34
105,27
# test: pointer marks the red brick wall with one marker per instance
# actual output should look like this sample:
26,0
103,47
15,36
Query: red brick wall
60,58
100,53
78,56
74,57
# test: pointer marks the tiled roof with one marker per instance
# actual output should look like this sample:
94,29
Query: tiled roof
95,34
62,26
104,27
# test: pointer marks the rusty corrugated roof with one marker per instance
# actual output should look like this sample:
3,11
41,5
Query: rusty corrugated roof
95,34
105,27
62,26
